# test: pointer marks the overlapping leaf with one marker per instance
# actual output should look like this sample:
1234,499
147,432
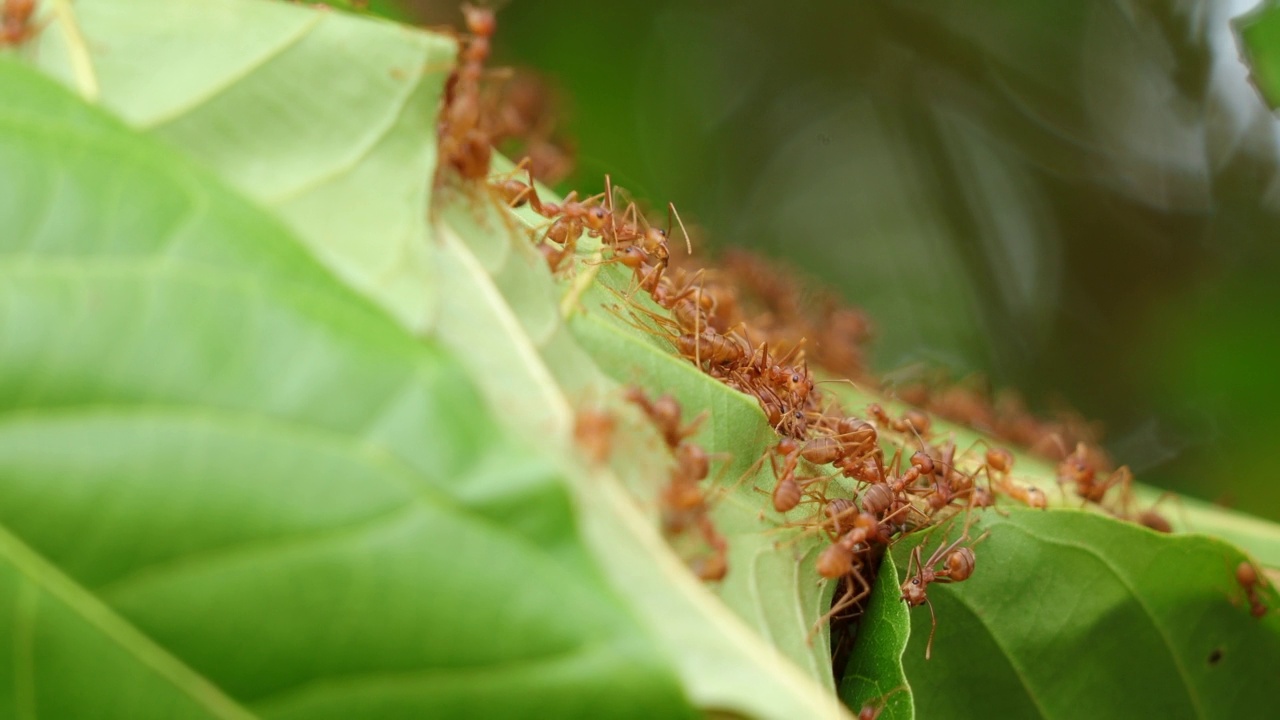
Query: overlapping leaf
874,676
233,487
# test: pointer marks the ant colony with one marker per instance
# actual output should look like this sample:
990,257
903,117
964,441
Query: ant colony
746,324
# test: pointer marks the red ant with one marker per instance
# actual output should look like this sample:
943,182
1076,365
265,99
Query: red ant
464,142
960,565
569,218
665,413
682,500
1080,469
843,559
652,240
789,491
593,430
856,588
913,420
15,22
1151,518
1249,579
524,112
999,460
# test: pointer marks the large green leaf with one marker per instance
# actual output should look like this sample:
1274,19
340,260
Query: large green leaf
1069,614
230,486
490,299
328,121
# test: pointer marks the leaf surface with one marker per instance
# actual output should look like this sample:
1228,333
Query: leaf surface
874,676
232,487
1069,614
323,118
480,289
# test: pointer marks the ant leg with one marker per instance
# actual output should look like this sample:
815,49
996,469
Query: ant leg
753,470
663,322
1055,440
928,648
849,599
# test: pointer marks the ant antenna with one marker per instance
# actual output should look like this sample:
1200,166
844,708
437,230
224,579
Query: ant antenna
688,243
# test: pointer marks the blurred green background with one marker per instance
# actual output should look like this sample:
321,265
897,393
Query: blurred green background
1079,200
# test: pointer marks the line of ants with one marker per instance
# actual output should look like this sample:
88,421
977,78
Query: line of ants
683,501
701,320
478,114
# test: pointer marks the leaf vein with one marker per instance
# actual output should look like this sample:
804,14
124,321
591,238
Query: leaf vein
1195,699
359,150
215,89
39,570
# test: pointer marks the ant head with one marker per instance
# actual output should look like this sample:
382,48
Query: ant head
632,257
480,21
1036,498
655,240
713,568
596,217
1155,521
982,497
920,459
999,459
913,592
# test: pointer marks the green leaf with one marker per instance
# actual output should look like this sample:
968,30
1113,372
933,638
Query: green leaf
328,121
1259,36
874,676
479,289
1069,614
324,118
232,487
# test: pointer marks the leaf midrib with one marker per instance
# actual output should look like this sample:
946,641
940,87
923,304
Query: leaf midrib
49,578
